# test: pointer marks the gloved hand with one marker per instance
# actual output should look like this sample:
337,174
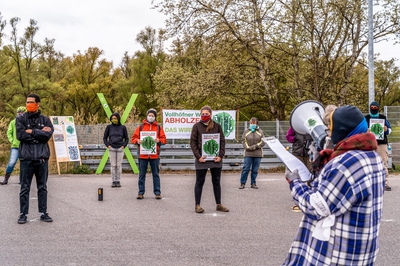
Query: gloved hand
312,152
290,176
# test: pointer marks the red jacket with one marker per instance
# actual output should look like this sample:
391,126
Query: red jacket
149,127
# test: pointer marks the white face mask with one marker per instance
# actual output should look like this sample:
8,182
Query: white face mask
150,119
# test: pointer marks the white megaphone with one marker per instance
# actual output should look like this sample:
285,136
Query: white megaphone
307,118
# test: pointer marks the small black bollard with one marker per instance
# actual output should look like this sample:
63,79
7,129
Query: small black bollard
100,193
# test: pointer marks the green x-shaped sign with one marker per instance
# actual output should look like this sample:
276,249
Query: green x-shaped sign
125,115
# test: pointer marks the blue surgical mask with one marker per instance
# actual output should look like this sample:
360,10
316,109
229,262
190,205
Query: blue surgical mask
252,127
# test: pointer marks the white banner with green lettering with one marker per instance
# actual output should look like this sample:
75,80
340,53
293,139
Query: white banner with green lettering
178,124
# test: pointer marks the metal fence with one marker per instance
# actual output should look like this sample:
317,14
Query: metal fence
90,138
93,134
393,116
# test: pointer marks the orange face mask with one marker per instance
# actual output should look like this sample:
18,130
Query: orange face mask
32,107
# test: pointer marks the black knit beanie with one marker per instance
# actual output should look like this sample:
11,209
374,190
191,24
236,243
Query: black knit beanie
374,111
343,121
153,111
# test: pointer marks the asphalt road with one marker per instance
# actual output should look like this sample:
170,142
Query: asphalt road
121,230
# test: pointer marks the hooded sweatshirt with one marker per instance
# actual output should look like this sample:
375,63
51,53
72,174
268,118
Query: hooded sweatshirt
116,136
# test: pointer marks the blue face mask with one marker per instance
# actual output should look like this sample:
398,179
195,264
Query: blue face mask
252,127
374,115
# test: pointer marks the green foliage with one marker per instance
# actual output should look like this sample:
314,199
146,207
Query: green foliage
259,57
82,169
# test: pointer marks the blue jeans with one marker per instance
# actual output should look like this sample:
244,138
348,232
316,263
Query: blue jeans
12,161
254,164
143,163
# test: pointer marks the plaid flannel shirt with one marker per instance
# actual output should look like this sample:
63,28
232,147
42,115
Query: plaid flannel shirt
352,185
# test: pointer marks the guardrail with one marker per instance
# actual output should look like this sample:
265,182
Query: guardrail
179,157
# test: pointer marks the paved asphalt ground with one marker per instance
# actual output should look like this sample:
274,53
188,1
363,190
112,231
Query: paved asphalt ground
121,230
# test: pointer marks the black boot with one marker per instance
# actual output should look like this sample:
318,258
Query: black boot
6,177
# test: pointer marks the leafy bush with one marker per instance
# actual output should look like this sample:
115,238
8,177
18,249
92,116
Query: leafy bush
82,169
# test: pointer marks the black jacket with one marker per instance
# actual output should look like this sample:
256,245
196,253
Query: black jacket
33,146
116,136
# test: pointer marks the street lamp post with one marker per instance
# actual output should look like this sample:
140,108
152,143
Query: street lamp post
371,85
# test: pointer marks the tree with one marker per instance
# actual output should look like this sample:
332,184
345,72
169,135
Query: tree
138,70
21,66
89,74
387,82
316,43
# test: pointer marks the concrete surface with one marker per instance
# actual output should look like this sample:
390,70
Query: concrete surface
121,230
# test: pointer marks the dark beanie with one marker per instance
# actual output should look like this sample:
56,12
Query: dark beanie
153,111
343,121
374,103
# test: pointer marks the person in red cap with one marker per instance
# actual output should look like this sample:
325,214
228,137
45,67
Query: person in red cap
381,136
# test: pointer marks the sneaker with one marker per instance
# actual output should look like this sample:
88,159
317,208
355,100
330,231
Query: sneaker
254,186
114,184
222,208
22,218
118,184
241,186
387,188
199,209
46,218
158,196
140,196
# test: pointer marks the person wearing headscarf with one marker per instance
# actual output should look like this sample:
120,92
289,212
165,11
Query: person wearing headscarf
383,140
342,206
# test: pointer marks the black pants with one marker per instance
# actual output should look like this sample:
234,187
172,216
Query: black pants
27,170
216,181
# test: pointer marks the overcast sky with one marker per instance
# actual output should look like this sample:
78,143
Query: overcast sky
110,25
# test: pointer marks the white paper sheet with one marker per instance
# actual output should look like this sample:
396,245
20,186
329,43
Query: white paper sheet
291,162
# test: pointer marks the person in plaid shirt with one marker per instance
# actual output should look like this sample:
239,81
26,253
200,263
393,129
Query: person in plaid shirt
342,207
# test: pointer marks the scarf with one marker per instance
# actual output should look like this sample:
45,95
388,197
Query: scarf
363,141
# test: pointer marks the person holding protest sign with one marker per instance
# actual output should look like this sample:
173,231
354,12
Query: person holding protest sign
381,128
149,137
207,142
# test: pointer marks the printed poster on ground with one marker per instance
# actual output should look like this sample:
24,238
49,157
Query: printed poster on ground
376,126
65,139
148,145
210,146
